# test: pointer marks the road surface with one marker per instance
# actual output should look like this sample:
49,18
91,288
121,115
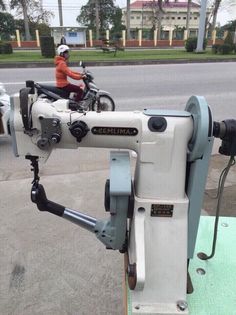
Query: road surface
151,86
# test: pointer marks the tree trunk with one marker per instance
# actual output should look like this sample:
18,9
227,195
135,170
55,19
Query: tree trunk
128,19
26,21
60,12
157,15
159,25
214,14
215,11
97,18
188,17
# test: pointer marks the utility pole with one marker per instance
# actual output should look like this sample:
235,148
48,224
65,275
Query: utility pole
202,23
60,12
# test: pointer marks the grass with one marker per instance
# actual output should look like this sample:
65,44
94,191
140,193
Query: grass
131,55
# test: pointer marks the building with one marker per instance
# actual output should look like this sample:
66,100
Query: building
145,15
75,36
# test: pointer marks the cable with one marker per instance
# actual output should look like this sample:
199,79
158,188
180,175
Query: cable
219,183
223,176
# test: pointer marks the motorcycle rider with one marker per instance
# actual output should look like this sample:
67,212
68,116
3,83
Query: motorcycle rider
63,71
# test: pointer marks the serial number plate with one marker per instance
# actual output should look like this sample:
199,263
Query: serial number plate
158,210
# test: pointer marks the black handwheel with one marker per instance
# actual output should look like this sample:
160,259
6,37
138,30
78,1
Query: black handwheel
106,103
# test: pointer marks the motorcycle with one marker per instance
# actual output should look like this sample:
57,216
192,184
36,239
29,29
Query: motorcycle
93,98
4,111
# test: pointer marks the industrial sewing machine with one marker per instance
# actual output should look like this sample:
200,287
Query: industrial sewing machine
152,218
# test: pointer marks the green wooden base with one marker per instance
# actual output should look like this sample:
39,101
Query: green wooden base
215,290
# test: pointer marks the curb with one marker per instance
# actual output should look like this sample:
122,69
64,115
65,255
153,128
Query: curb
112,63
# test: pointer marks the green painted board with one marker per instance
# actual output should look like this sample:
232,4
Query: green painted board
215,291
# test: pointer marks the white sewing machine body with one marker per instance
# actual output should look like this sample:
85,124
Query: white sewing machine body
157,230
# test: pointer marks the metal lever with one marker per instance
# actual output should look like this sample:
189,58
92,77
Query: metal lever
38,196
80,219
111,232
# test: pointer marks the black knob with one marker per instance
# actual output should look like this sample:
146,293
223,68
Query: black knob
157,124
55,138
79,129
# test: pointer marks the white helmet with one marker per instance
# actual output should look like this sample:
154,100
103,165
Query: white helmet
61,49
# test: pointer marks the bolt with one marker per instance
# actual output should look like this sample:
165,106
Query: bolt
182,305
224,224
54,139
54,123
201,271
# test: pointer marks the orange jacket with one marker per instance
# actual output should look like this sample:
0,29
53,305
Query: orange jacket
62,71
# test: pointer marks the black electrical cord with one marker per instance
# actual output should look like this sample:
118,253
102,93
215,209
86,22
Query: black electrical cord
223,176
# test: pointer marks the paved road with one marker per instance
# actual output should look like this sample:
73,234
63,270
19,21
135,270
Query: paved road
155,86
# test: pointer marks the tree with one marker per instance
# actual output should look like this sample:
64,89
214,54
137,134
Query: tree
106,12
36,13
230,26
7,25
216,6
213,7
157,13
21,6
31,11
44,29
117,23
2,5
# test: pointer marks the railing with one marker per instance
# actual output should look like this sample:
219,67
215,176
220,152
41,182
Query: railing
145,43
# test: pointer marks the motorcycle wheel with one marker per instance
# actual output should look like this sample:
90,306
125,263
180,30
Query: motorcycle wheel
105,103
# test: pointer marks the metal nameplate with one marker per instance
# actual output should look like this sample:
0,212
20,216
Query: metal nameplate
158,210
114,131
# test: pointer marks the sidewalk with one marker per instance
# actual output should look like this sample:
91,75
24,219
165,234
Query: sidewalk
49,265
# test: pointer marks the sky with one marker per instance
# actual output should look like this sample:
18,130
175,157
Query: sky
71,10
